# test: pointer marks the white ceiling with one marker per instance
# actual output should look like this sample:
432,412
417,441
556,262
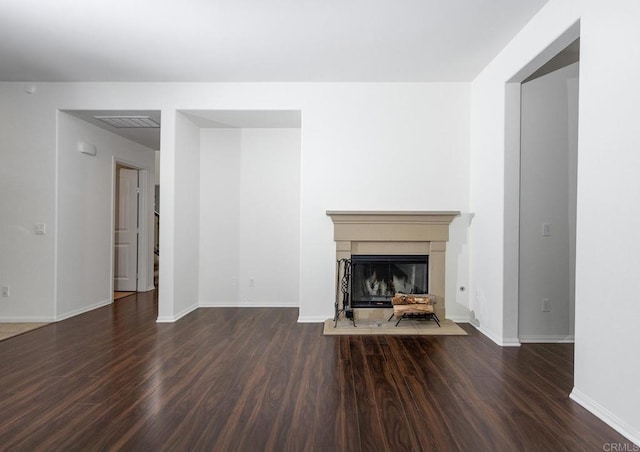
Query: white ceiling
251,41
255,40
237,119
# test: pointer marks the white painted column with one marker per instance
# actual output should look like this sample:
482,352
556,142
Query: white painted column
167,217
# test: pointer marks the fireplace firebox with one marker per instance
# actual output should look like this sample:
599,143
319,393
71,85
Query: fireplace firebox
375,279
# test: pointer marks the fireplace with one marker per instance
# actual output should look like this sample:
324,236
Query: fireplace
375,279
381,235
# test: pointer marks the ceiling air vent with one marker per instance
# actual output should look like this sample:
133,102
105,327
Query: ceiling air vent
129,122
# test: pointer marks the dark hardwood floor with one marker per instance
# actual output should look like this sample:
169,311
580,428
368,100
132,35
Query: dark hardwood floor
248,379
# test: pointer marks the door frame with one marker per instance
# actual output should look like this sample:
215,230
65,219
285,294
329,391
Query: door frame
144,222
511,200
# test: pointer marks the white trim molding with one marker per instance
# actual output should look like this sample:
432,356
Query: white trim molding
543,339
248,304
82,310
178,316
27,319
459,319
312,319
502,342
606,416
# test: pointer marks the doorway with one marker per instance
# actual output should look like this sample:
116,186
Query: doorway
540,229
548,181
126,230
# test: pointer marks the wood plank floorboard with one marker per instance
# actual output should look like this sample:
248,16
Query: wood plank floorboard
252,379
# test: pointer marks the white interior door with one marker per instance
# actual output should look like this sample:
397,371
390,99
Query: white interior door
126,233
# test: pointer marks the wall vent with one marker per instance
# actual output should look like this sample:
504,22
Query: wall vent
129,122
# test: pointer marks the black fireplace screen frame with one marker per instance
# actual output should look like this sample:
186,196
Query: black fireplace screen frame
376,278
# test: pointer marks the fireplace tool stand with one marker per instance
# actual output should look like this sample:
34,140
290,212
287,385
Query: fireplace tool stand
343,294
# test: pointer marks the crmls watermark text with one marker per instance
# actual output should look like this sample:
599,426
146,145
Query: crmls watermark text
620,447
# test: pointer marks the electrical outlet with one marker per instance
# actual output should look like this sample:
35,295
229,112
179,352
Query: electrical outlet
5,291
252,282
546,230
546,305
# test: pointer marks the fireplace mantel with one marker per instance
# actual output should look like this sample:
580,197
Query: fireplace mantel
397,232
396,215
391,225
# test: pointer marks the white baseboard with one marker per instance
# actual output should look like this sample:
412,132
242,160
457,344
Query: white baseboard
82,310
313,319
606,416
547,339
178,316
27,319
247,304
510,342
502,342
165,319
459,319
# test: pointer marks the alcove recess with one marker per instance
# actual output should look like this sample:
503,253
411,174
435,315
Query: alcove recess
396,233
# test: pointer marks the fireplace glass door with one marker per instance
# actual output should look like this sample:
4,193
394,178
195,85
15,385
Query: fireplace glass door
376,279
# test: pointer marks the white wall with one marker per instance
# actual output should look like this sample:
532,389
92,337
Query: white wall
553,28
250,211
607,340
78,276
545,186
270,217
85,213
357,140
457,269
186,215
608,214
395,147
27,187
220,177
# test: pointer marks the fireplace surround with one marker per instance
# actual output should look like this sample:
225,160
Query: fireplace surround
396,233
